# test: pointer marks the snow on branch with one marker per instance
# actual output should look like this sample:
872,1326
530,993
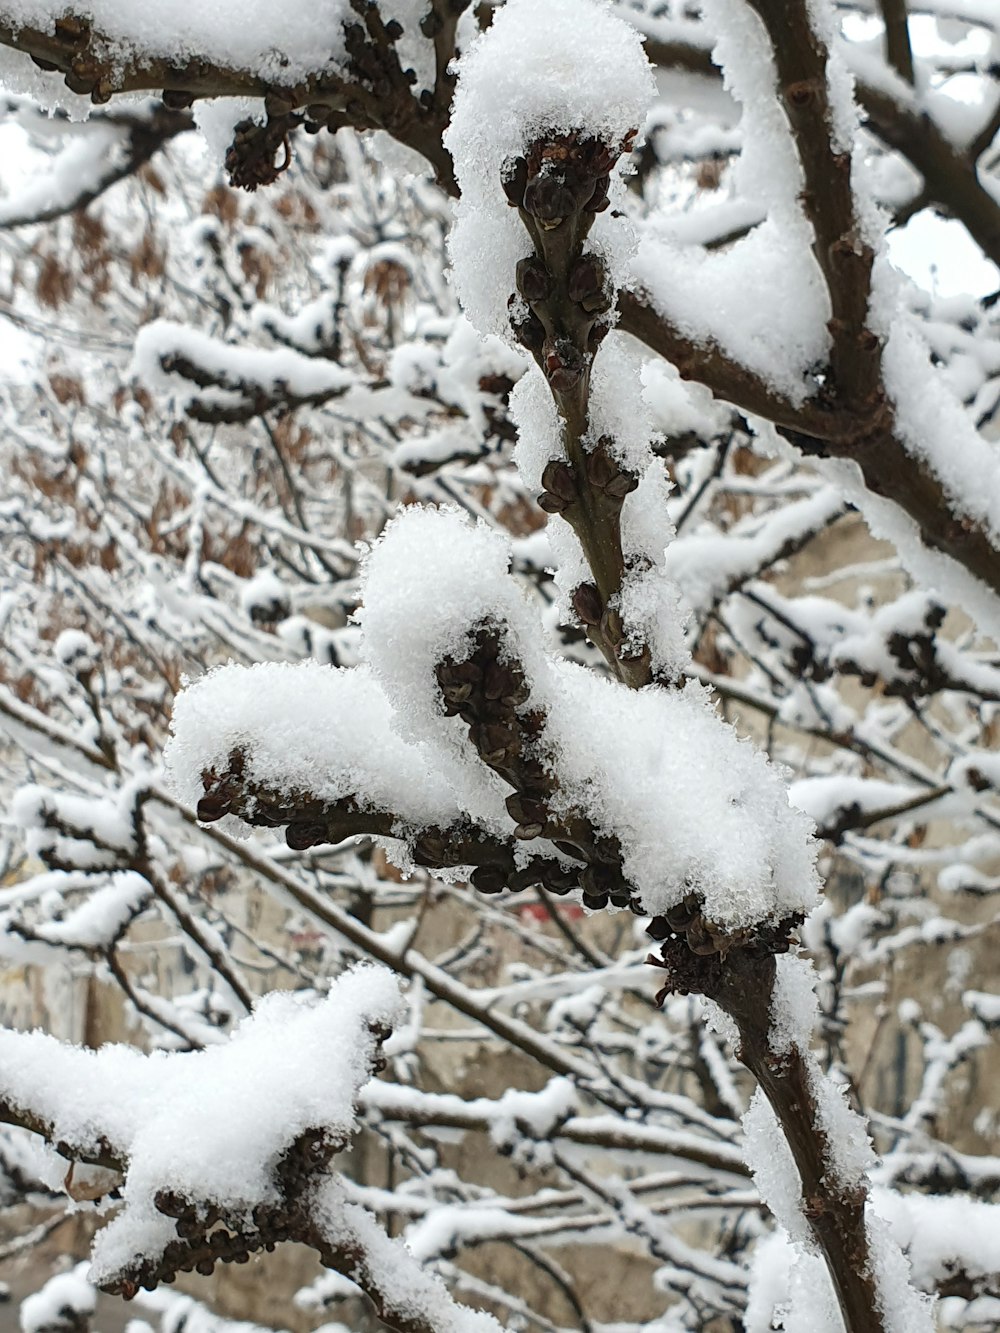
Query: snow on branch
226,1151
251,36
572,73
216,381
477,720
309,732
867,394
112,147
344,61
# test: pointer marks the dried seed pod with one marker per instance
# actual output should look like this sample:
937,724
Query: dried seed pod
659,929
456,694
682,914
596,879
170,1203
553,504
71,30
531,776
430,850
595,901
526,832
519,693
497,681
526,809
495,743
699,941
394,30
467,671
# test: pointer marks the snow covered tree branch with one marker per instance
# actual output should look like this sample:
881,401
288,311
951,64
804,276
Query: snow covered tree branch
617,493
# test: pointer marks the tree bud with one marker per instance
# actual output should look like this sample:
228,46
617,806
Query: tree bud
557,477
564,366
587,603
529,332
487,879
598,200
585,278
548,198
533,279
513,179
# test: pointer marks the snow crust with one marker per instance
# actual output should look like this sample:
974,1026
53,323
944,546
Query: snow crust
405,1287
931,420
761,300
101,918
273,368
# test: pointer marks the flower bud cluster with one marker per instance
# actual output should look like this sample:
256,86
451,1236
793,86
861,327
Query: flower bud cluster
693,948
489,692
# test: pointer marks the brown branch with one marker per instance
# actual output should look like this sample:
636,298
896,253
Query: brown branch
558,187
95,1150
898,51
488,690
950,177
375,95
143,136
742,983
821,429
842,251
